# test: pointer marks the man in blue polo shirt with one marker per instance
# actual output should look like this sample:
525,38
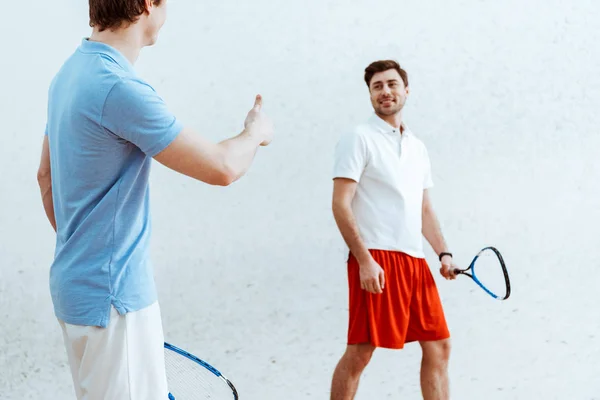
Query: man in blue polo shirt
104,126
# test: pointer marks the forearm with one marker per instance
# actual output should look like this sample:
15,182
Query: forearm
214,163
432,231
239,153
346,222
46,192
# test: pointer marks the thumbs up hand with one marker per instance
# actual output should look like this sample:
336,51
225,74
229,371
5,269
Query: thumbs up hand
257,123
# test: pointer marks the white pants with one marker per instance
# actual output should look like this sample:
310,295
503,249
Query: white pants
124,361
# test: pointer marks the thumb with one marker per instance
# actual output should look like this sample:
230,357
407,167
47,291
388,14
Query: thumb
382,279
258,103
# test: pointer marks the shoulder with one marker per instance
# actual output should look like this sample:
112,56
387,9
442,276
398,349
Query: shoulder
356,134
130,93
110,78
353,141
364,131
128,85
109,71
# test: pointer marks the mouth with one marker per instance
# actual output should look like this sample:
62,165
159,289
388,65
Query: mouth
387,102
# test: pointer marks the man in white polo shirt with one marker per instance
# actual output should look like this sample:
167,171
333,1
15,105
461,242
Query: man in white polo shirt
381,206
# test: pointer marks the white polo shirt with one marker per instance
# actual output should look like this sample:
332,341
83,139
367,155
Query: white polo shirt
392,170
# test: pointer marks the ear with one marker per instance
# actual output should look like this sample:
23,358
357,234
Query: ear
407,90
149,4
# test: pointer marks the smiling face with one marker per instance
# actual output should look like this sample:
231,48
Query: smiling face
388,92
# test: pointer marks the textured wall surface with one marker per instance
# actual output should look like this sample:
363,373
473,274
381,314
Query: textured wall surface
505,94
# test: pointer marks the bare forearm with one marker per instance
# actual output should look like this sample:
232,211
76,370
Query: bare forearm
214,163
46,192
344,218
432,231
239,153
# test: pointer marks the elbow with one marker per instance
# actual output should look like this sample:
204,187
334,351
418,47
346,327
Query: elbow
220,172
426,211
339,207
427,208
43,176
334,206
215,176
225,176
425,218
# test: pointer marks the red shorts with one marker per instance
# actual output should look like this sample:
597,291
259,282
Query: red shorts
408,310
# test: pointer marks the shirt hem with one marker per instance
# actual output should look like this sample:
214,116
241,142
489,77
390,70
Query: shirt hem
171,135
346,176
102,321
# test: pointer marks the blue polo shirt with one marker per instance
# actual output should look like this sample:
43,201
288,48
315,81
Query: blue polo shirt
104,125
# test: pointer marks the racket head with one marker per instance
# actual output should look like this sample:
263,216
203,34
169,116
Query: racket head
489,271
189,377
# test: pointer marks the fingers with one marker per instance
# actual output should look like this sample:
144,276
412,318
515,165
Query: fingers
366,285
372,286
448,273
444,272
377,286
257,103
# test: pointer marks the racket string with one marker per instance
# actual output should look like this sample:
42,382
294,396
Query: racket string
188,380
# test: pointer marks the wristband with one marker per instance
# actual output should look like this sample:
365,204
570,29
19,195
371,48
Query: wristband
442,254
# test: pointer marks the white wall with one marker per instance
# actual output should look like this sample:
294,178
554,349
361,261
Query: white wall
252,277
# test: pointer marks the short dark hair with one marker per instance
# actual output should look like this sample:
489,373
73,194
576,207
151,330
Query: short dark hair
112,14
381,66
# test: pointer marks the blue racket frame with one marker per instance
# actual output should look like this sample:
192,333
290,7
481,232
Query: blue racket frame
473,276
203,363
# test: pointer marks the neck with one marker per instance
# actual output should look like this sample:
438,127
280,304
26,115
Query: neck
395,120
128,41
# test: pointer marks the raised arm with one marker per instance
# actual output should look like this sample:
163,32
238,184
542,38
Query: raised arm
218,163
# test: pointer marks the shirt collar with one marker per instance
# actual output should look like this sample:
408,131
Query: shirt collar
381,126
90,47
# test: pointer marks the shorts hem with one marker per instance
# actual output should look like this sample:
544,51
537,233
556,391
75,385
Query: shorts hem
399,346
378,345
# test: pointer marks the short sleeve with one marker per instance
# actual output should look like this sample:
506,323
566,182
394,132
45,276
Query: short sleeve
350,157
427,177
135,112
